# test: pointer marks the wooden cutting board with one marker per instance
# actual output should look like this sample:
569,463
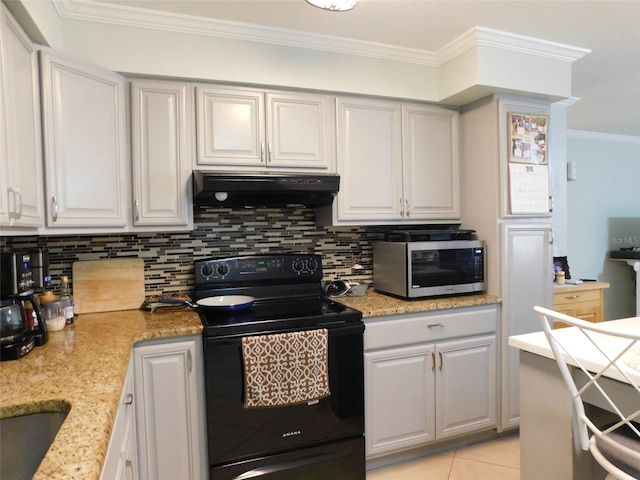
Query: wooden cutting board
108,285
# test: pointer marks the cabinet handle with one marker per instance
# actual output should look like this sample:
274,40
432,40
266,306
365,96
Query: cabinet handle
433,360
129,464
136,209
16,212
54,208
407,204
269,152
261,151
572,297
401,208
440,355
431,325
129,400
189,361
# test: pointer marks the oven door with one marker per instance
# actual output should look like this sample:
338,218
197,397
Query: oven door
236,433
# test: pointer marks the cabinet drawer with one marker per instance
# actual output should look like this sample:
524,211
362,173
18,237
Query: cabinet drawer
406,329
561,298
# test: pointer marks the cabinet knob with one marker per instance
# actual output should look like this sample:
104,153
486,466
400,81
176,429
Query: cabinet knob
129,400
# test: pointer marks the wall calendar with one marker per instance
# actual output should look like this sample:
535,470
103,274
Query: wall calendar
529,188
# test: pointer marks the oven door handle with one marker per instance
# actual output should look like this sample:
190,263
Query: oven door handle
279,467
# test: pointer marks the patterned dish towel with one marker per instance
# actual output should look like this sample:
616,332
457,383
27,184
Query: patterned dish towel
285,368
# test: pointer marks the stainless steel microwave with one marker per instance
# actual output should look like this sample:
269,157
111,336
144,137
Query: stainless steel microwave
430,268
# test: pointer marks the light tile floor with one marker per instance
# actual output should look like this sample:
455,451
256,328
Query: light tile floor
494,460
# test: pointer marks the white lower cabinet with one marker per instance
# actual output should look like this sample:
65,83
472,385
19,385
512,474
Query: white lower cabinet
169,389
429,377
121,460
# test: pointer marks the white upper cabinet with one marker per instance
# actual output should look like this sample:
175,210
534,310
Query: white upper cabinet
248,129
86,164
21,198
431,166
369,156
398,163
161,153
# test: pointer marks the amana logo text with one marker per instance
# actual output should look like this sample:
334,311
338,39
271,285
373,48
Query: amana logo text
291,434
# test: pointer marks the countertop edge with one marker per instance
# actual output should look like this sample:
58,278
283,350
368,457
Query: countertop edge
376,304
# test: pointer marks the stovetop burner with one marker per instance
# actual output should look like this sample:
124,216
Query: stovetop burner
287,288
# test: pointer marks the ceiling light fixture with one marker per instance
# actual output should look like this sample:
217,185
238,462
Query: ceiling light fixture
334,5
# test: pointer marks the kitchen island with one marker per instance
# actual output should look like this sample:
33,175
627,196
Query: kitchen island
549,442
81,370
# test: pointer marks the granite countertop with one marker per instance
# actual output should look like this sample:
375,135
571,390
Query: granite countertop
375,304
81,370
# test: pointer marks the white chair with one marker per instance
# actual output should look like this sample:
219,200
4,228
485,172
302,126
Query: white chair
616,447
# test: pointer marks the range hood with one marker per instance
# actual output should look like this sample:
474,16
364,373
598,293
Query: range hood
215,189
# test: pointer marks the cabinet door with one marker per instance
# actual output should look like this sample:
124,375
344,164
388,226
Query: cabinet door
230,126
299,131
369,160
22,194
161,152
526,282
430,160
5,187
121,459
87,174
168,409
466,386
399,399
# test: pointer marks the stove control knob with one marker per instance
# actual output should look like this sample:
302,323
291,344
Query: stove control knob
223,269
207,270
297,265
312,265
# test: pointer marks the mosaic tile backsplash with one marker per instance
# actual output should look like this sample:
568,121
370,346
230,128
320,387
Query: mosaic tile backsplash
168,257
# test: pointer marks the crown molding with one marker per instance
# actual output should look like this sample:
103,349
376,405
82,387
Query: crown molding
481,36
96,11
606,137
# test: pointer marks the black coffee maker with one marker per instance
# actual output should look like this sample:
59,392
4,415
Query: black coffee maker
18,334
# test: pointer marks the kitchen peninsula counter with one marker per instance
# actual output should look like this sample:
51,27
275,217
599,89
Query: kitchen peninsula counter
375,304
81,370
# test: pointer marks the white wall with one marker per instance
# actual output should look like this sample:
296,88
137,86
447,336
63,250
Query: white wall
607,189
